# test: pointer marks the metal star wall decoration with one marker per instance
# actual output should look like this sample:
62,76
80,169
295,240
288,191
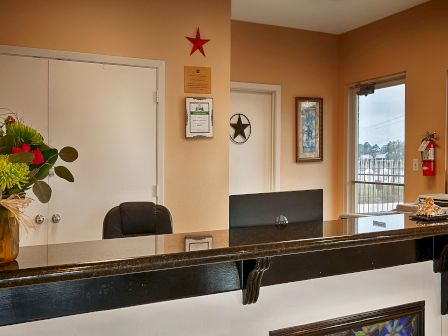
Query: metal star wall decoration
241,130
198,43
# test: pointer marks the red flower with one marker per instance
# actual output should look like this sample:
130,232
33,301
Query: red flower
15,150
10,119
23,148
38,157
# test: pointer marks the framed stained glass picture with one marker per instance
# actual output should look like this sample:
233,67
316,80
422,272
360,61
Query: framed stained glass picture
309,129
404,320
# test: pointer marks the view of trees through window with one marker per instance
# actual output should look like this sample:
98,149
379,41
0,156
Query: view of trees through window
379,176
393,150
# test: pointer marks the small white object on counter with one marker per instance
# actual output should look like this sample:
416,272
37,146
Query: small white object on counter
407,208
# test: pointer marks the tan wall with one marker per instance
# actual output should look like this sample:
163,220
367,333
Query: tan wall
415,42
305,64
196,174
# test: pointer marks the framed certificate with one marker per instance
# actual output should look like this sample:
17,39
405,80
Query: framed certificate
199,117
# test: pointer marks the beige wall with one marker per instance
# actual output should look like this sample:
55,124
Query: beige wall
305,64
415,42
196,172
314,64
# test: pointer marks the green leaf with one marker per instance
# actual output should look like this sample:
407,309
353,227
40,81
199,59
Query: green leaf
5,150
6,141
50,155
68,154
44,148
42,191
21,157
64,173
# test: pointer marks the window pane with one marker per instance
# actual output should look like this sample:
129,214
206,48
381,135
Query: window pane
380,154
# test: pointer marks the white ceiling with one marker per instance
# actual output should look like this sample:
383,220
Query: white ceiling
329,16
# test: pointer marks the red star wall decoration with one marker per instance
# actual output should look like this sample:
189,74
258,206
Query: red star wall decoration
198,43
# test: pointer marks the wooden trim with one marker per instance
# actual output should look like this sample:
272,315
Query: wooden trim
358,320
32,303
441,266
16,277
38,301
315,265
251,289
321,128
382,81
351,138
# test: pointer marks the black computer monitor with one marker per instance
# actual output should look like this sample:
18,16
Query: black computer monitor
268,208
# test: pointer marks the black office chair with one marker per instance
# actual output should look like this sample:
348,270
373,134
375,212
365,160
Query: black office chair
133,219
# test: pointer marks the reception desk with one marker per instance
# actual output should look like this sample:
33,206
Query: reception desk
69,279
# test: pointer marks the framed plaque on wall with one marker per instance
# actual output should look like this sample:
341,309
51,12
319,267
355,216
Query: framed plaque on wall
199,117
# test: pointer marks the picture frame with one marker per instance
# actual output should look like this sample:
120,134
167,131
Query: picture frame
398,316
198,117
309,129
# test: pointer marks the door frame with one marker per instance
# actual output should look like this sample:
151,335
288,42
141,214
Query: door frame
276,94
159,97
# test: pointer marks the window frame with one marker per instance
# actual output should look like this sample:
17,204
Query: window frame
352,132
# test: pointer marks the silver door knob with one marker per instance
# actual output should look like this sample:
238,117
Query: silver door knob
39,219
56,218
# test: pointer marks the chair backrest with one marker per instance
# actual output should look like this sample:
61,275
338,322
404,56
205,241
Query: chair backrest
132,219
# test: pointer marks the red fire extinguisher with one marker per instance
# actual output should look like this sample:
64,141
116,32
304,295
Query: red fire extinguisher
427,149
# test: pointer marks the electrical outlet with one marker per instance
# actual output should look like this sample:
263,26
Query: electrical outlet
415,165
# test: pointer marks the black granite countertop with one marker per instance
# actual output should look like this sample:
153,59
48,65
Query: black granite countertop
83,260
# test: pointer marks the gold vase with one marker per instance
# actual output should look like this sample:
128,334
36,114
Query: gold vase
9,236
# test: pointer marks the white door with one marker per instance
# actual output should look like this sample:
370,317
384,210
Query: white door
251,143
24,90
109,114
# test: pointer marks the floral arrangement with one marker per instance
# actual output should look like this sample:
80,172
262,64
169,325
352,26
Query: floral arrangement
26,160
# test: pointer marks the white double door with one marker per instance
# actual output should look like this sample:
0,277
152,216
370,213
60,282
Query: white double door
109,114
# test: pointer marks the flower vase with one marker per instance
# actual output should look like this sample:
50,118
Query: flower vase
9,236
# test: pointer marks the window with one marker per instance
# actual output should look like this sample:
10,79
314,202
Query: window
377,167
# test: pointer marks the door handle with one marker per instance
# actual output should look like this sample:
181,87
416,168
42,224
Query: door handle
56,218
39,219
